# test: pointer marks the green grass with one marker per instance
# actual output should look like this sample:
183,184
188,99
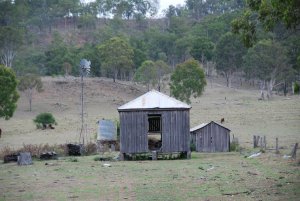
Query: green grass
264,178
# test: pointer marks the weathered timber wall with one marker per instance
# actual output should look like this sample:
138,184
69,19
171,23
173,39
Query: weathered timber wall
134,131
211,138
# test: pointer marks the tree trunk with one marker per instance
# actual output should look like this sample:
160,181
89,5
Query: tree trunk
115,75
270,86
30,101
262,88
285,88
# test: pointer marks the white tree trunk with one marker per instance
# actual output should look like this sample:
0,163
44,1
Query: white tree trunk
270,86
262,88
7,57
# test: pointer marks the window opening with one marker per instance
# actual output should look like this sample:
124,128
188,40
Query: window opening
154,132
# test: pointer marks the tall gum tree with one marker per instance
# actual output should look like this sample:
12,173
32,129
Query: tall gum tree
116,57
229,53
266,61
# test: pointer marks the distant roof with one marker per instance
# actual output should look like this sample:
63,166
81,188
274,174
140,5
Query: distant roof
205,124
154,100
198,127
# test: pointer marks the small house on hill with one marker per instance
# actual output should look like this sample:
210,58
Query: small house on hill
154,122
210,137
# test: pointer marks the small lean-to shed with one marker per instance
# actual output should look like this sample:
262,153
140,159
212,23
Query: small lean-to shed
210,137
157,115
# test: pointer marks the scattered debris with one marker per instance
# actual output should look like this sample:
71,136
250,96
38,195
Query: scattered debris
254,155
286,156
106,165
252,173
237,193
48,155
75,149
211,168
11,158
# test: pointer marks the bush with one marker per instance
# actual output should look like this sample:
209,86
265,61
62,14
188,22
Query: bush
296,88
90,148
234,146
73,159
193,147
44,119
35,150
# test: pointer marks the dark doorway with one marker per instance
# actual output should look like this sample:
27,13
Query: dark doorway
154,132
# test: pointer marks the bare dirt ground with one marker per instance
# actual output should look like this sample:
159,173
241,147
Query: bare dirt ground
243,113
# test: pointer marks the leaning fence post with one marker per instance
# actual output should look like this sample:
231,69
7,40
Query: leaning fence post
277,148
294,151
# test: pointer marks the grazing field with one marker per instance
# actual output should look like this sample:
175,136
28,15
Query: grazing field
227,176
243,113
220,176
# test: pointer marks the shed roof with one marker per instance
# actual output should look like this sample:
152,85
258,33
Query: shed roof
203,125
154,100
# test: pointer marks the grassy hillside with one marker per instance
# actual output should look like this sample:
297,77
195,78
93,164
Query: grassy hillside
243,113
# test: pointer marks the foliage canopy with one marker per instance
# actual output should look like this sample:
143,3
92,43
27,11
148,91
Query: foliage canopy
187,80
8,92
44,119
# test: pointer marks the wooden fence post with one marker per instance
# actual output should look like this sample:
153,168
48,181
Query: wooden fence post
265,142
277,148
257,140
254,141
294,151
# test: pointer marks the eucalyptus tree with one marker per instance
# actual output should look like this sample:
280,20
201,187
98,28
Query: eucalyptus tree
267,62
228,55
267,14
11,39
116,57
187,80
29,84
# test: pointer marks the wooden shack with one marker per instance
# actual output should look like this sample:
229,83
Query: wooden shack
210,137
154,122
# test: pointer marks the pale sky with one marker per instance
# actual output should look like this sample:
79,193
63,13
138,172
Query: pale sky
163,4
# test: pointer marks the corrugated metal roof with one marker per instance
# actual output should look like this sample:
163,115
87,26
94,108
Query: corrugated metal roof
198,127
205,124
154,100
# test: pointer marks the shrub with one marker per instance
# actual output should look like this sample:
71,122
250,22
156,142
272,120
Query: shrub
234,146
44,119
193,147
35,150
90,148
73,159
